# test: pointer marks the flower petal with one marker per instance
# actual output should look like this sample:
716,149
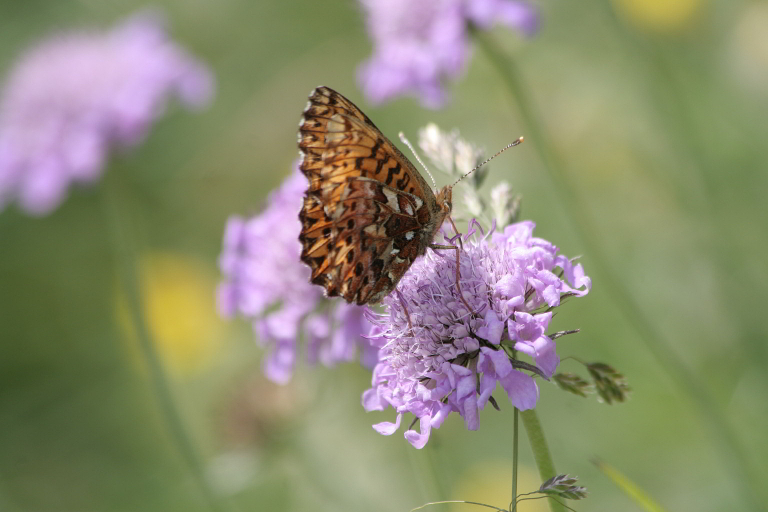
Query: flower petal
521,390
419,440
546,357
386,428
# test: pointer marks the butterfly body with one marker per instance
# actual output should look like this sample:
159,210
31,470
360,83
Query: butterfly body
368,212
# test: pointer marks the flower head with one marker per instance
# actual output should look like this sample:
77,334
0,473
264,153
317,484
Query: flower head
420,43
437,357
266,281
72,97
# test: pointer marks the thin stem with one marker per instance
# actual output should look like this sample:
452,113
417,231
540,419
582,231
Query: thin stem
514,459
424,471
630,488
734,455
126,257
458,501
540,452
543,497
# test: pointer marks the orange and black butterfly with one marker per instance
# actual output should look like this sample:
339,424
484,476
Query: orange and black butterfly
368,213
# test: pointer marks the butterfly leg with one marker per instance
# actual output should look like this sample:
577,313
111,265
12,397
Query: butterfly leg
458,275
456,230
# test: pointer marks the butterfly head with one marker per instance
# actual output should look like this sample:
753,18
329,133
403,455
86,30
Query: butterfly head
444,199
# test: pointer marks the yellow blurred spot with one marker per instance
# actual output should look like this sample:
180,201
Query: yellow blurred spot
179,309
490,482
659,15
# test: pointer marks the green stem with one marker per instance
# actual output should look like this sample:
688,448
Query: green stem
514,459
445,502
732,451
126,256
423,464
540,452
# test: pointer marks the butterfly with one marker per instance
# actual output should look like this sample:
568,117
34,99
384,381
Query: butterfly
368,212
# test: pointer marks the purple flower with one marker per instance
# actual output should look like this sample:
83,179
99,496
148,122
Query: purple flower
72,97
417,44
265,280
436,357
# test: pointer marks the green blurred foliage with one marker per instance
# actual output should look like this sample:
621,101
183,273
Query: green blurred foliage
664,129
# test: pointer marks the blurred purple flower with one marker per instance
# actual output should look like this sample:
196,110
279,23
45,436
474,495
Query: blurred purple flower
265,280
417,44
73,96
437,358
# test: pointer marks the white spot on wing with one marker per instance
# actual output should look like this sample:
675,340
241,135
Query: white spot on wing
309,106
334,137
391,199
374,230
336,124
409,236
334,213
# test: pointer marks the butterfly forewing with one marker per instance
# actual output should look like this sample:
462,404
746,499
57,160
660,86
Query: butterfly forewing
368,213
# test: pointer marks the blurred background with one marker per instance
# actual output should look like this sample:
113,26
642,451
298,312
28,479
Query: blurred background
658,112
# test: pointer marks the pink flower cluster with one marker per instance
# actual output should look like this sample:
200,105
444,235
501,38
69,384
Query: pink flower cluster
265,281
417,44
437,357
72,97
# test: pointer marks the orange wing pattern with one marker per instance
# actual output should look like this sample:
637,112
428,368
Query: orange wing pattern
368,213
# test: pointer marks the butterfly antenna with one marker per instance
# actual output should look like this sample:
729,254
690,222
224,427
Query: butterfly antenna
515,143
408,143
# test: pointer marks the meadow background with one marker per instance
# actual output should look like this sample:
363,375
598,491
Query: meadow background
657,112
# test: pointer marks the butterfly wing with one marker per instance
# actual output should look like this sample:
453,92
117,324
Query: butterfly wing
368,212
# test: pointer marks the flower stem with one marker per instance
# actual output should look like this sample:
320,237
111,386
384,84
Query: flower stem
424,469
540,452
118,215
731,450
630,488
514,460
